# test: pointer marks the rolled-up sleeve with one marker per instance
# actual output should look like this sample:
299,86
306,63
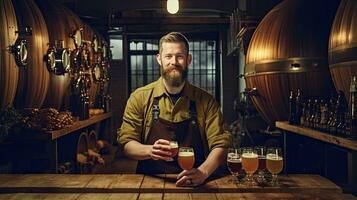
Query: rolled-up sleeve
131,127
216,130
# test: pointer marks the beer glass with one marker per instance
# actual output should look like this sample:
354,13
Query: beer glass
250,164
274,164
186,157
261,151
173,150
234,163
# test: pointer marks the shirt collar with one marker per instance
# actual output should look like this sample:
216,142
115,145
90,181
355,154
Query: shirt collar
159,89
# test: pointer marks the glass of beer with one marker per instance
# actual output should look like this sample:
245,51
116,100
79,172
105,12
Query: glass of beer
261,151
173,150
274,164
234,163
186,157
250,164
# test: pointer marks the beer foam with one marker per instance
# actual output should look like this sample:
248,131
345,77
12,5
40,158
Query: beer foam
186,154
271,156
173,145
250,155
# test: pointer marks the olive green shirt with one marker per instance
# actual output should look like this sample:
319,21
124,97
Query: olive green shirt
138,114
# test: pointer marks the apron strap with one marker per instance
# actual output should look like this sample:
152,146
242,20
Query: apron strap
155,110
193,112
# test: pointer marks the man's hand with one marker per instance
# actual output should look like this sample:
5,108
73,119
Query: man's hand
161,150
192,177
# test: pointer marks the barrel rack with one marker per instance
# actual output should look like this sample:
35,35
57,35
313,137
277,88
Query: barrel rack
43,151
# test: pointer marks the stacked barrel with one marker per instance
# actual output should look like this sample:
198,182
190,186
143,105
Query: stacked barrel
9,73
48,53
36,82
89,152
288,51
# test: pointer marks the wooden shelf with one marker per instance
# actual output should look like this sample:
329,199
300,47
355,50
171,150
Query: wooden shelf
79,125
332,139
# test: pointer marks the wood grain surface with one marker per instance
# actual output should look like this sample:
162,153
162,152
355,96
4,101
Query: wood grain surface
137,183
325,137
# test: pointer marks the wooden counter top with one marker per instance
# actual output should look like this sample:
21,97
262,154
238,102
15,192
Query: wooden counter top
177,196
135,186
152,184
325,137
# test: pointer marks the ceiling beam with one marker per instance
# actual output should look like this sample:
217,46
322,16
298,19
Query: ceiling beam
170,20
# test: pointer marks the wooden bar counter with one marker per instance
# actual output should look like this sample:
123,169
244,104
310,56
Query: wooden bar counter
135,186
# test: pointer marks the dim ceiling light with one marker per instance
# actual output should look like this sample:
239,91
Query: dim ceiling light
172,6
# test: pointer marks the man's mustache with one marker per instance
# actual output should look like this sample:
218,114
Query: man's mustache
177,67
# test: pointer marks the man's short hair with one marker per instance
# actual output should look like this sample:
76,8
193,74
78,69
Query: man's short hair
175,37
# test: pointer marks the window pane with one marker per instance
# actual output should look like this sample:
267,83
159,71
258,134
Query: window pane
139,46
132,46
117,48
148,46
155,47
203,56
133,63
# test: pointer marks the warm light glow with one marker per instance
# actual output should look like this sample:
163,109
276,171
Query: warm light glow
340,38
260,54
172,6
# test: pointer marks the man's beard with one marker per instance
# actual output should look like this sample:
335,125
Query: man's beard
174,80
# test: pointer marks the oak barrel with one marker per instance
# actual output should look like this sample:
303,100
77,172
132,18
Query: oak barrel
288,51
34,79
343,46
92,140
8,70
82,154
93,153
61,23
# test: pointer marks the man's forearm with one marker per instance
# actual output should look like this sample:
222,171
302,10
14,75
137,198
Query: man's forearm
137,151
215,158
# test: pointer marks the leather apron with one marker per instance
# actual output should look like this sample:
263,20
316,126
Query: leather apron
186,133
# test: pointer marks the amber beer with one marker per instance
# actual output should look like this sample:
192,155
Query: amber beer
234,165
250,162
174,148
274,163
186,158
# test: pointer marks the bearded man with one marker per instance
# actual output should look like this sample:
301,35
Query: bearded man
172,109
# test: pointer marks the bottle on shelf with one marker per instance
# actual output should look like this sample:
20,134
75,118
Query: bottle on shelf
299,107
317,115
292,108
324,116
308,113
341,105
353,108
303,115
